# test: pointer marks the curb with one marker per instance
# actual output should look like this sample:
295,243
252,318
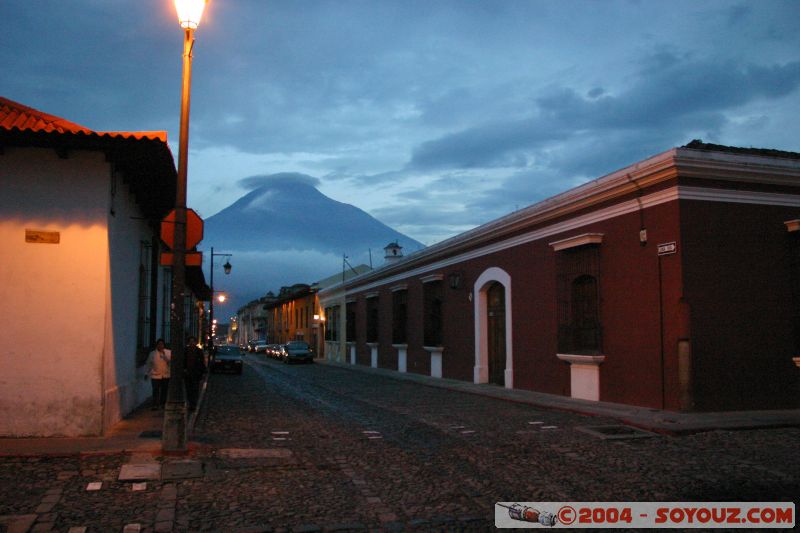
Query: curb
641,417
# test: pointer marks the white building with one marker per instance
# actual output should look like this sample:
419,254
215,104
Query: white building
84,297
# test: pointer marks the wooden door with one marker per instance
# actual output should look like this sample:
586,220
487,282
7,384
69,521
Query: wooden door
496,322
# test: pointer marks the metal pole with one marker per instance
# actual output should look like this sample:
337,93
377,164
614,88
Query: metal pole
211,308
174,437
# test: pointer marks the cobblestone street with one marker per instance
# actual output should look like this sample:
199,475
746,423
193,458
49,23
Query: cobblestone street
324,448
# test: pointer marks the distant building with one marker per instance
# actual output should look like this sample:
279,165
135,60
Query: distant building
294,314
673,283
251,320
394,252
84,297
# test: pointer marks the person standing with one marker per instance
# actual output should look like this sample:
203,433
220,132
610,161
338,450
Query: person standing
194,370
158,369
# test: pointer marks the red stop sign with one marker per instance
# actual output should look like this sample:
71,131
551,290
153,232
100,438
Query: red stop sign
194,229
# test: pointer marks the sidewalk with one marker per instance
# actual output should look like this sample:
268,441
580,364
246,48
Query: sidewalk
657,420
139,432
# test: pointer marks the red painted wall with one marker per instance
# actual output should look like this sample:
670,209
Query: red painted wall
738,277
731,268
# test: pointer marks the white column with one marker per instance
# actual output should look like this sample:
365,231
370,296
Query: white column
584,375
402,365
373,354
436,360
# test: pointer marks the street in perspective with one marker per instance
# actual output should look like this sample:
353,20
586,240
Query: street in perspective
424,266
323,447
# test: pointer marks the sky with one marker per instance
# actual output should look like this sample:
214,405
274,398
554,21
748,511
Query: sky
434,116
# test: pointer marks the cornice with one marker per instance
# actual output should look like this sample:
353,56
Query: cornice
632,179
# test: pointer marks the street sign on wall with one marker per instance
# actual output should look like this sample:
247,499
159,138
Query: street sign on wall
667,248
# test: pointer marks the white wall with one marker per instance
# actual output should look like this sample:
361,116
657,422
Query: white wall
124,383
69,313
54,295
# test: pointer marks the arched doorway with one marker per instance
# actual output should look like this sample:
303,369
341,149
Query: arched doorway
494,357
496,332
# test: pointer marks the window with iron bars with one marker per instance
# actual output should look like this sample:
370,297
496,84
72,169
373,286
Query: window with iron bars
350,326
578,305
432,313
372,319
144,320
399,317
332,323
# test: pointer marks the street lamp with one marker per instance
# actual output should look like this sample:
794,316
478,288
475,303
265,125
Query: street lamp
174,437
227,268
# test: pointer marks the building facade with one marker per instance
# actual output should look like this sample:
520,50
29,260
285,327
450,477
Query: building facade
670,284
294,316
84,295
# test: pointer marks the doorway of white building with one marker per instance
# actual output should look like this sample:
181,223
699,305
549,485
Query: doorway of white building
496,330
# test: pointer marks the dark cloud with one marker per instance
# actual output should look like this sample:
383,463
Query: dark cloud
254,182
422,103
673,92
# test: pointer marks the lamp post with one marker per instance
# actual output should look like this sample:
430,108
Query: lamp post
174,437
227,268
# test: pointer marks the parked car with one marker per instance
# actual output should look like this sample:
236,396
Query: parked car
276,351
227,359
297,351
251,345
260,347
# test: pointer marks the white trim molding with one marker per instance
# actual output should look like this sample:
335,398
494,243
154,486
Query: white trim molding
577,240
481,368
399,287
631,206
584,375
793,225
373,294
431,278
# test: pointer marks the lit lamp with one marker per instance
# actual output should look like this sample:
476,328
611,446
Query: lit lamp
174,437
227,269
190,12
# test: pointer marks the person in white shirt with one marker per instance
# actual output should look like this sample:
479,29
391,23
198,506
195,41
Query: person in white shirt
158,369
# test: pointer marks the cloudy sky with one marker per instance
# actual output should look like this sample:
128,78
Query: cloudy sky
432,115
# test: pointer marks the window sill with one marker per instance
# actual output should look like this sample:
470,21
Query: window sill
400,346
373,344
433,348
581,359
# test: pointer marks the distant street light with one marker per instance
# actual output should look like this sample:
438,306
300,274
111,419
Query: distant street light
174,437
227,268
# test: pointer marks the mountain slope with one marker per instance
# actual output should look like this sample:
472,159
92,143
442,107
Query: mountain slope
287,232
296,216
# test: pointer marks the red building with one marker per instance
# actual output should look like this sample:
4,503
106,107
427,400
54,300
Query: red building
673,283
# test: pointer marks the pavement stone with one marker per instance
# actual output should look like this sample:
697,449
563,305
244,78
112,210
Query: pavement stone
140,472
17,523
183,469
423,475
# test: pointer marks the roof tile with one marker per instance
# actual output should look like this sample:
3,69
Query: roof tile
14,115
